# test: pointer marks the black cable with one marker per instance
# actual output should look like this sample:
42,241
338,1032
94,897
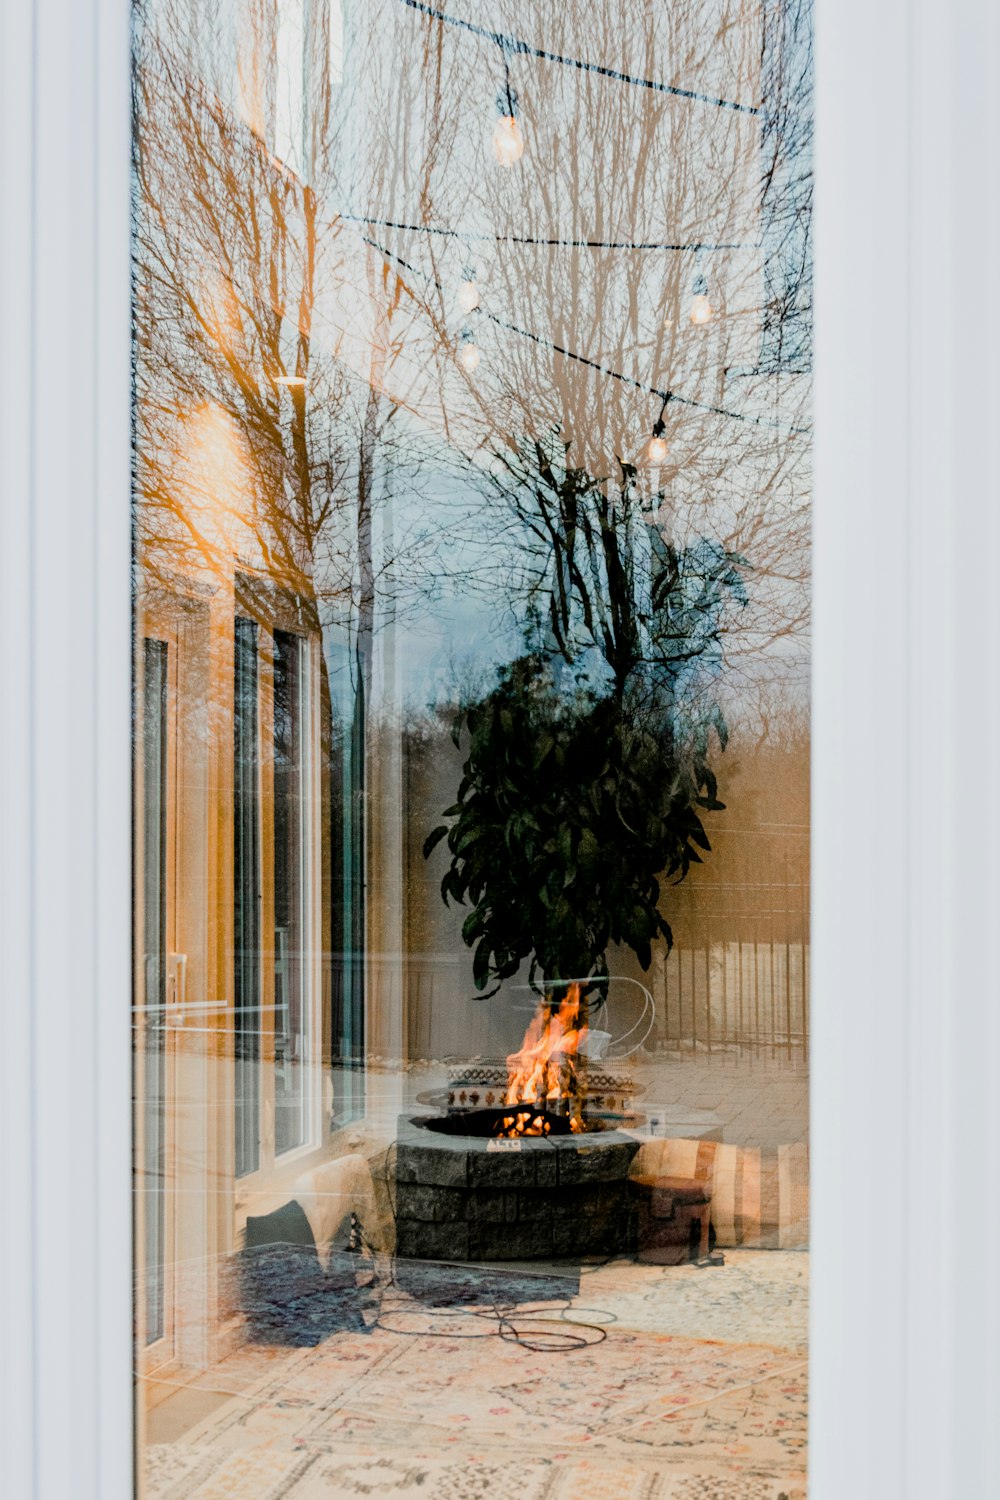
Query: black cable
508,1320
530,239
593,364
640,385
506,1327
514,44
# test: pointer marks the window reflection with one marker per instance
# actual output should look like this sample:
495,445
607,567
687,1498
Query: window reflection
154,883
472,380
292,880
247,899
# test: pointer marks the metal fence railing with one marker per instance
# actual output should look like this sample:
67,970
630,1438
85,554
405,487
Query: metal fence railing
750,995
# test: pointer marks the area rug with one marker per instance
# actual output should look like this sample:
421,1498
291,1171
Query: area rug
473,1401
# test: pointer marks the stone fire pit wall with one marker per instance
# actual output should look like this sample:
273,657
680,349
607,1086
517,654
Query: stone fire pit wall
469,1198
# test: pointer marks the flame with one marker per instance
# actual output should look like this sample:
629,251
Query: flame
545,1073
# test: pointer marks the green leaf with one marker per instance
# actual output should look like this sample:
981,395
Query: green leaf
481,965
542,749
433,839
473,925
699,835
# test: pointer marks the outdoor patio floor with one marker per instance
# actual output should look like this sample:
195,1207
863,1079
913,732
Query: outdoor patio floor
696,1392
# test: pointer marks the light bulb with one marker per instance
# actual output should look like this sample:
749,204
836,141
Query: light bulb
469,357
508,142
468,296
657,450
701,309
291,380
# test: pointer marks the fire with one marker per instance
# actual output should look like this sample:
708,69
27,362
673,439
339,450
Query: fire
546,1073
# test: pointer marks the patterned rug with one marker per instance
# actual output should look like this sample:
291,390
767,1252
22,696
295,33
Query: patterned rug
459,1402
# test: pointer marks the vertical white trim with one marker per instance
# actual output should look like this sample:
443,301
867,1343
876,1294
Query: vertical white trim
315,1064
65,904
906,1029
17,1364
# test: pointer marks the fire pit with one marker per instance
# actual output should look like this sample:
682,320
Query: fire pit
534,1174
464,1194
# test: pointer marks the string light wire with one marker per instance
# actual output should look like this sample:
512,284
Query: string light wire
517,45
593,364
529,239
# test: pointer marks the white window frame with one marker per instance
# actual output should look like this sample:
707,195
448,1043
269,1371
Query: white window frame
65,763
275,1170
906,1118
310,897
906,1025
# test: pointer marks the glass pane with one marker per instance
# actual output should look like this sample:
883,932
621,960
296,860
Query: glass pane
152,1030
473,463
291,1000
347,887
247,897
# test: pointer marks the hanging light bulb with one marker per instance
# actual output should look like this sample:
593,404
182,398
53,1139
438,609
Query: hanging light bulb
658,447
468,354
468,294
508,142
701,308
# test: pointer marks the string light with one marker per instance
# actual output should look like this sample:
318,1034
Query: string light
701,308
469,354
508,142
765,424
508,147
658,448
468,292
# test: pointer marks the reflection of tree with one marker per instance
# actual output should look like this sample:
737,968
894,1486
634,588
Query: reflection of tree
226,249
786,188
256,440
246,273
568,253
593,568
588,759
